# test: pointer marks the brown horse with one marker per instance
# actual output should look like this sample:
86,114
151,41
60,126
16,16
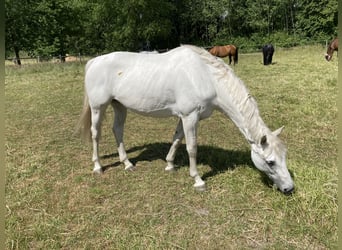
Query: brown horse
226,50
331,48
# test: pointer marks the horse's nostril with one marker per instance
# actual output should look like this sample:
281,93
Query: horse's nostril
288,191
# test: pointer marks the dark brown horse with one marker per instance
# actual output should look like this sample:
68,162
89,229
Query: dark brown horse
267,51
226,50
331,48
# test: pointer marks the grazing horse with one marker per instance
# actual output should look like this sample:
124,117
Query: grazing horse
267,51
186,82
226,50
331,48
69,58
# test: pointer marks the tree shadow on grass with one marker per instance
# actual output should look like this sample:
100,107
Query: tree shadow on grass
218,159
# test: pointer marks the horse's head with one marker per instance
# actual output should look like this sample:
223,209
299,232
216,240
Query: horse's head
269,156
328,55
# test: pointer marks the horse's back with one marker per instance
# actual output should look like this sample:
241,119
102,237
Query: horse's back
268,48
214,51
150,83
223,51
336,44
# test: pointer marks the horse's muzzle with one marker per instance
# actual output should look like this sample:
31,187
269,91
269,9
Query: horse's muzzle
288,191
327,57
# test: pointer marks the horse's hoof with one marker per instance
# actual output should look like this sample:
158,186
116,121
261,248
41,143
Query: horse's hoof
130,167
200,188
98,171
170,168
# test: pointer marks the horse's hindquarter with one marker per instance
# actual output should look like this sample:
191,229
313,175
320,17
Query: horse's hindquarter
174,83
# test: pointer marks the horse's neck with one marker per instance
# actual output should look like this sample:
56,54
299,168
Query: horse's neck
236,102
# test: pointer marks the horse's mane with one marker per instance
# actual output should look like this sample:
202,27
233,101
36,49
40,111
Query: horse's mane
243,100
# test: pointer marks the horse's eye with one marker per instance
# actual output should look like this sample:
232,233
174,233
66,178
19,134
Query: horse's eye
270,163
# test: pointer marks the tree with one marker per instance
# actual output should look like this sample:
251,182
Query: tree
141,24
318,19
41,27
59,27
18,26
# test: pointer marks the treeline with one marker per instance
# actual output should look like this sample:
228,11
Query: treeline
58,27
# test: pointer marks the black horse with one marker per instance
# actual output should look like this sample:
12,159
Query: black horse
267,51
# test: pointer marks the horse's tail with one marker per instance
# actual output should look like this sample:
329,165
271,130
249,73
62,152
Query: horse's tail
236,56
84,123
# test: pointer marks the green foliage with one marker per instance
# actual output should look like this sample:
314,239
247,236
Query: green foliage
58,27
256,41
19,26
44,27
318,19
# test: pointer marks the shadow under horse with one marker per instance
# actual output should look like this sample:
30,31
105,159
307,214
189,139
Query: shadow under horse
267,51
218,159
331,48
227,50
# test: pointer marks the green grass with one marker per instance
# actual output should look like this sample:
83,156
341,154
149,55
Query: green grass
54,201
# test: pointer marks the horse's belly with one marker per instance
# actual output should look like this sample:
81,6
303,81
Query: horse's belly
149,107
165,104
162,113
204,112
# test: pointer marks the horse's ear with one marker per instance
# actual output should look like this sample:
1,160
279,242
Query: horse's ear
278,131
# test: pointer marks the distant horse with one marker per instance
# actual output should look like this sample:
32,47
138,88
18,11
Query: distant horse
267,51
69,58
331,48
186,82
226,50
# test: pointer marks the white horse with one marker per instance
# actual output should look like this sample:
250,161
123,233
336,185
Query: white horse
187,82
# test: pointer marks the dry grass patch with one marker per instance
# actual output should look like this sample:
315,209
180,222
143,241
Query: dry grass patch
54,201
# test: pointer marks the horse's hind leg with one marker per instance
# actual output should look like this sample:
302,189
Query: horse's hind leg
230,59
96,119
118,129
177,139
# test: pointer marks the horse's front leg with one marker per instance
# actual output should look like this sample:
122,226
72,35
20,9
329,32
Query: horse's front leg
120,113
190,130
177,140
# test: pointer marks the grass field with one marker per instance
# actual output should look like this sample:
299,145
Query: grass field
54,201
